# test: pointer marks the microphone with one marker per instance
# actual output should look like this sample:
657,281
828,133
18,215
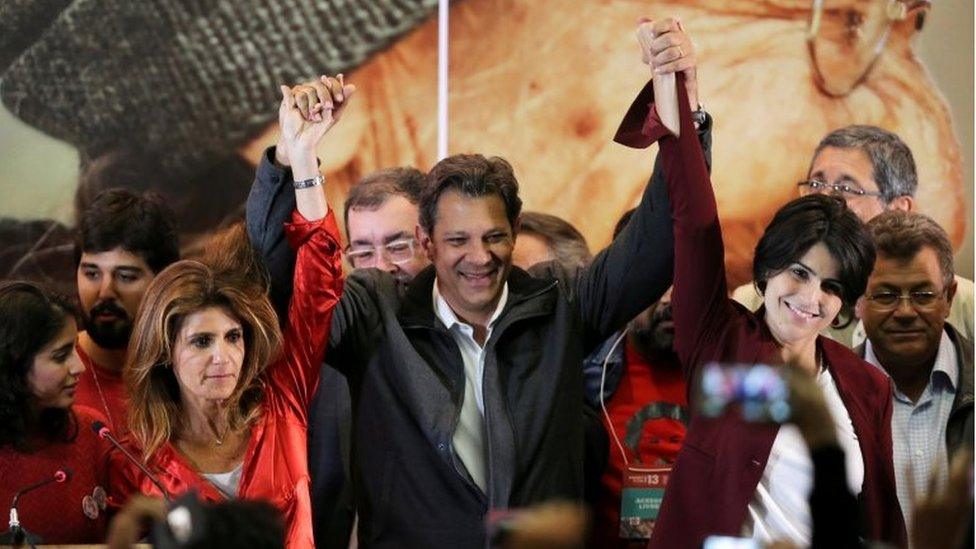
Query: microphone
17,534
103,432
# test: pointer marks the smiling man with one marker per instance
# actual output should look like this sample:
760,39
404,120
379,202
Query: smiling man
904,311
124,240
466,384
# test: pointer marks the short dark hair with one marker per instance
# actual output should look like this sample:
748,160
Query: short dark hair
471,175
142,224
892,163
809,220
374,189
901,235
30,318
568,245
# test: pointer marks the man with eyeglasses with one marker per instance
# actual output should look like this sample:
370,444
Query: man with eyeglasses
873,170
904,311
380,214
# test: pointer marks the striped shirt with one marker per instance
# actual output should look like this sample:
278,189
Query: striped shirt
918,429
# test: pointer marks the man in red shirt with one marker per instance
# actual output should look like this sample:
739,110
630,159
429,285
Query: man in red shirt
124,239
646,412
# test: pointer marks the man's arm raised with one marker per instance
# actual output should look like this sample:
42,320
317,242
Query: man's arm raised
636,269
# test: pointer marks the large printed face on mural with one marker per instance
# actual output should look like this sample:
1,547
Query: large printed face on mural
550,91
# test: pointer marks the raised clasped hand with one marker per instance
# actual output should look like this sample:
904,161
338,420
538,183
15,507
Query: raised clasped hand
667,48
308,111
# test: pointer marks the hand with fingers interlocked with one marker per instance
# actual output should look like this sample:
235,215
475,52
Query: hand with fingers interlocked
307,112
667,48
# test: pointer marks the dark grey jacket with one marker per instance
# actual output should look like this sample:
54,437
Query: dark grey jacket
959,430
407,379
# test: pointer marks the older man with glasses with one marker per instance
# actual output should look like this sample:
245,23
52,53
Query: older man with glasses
873,170
904,312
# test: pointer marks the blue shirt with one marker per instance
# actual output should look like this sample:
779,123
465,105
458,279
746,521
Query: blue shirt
918,429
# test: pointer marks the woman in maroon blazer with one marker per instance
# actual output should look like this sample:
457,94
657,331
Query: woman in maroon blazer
745,479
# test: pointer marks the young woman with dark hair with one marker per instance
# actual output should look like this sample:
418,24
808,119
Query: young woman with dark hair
736,478
40,431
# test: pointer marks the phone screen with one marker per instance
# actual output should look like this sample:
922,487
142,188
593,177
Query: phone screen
758,392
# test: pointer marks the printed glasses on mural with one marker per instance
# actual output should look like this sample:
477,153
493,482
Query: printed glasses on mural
845,38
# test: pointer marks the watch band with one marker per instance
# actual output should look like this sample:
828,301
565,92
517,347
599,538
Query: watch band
308,183
698,116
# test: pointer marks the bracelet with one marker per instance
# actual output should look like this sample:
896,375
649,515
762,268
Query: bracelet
309,183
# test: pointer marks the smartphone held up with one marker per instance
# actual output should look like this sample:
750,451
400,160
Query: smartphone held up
758,392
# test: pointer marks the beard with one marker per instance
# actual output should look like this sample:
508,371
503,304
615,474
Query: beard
653,336
111,333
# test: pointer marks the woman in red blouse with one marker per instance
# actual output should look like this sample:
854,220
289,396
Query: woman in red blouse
735,478
219,395
40,432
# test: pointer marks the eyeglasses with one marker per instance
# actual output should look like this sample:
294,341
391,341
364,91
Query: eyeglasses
888,301
845,38
842,189
396,252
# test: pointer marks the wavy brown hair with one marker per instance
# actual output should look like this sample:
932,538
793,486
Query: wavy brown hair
227,277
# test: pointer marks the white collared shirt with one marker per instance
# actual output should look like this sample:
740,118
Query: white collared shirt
780,507
918,429
469,436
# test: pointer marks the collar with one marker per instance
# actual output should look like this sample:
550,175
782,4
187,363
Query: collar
446,315
527,295
946,362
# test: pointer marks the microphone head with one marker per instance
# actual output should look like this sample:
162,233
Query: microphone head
100,429
62,475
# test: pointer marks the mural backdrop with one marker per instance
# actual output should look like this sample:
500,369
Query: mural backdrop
181,97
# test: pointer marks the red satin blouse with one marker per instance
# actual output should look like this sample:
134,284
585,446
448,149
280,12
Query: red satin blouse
275,465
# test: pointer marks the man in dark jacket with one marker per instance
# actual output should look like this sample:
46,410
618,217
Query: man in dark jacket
432,455
380,215
467,385
904,312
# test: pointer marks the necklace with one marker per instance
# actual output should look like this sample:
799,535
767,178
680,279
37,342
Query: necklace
101,395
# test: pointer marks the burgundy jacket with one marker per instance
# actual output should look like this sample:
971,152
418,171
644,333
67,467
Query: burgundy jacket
723,459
